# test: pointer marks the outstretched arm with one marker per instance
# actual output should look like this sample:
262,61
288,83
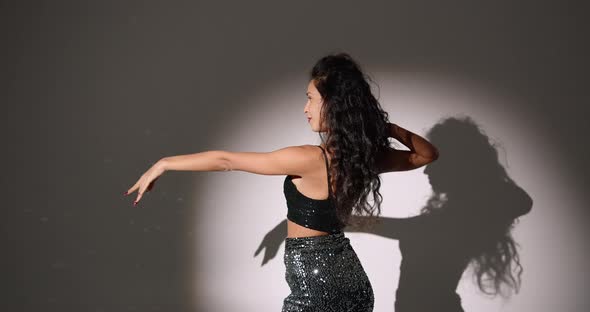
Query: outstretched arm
292,160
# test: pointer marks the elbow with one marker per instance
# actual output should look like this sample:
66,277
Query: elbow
432,157
430,154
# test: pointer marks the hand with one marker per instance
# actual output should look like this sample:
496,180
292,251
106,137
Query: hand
146,181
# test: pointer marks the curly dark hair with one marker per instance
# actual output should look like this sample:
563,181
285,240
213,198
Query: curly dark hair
356,131
493,252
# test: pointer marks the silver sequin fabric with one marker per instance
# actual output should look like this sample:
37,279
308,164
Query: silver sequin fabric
325,274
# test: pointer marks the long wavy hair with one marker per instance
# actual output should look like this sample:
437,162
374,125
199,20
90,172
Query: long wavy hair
357,129
493,254
495,259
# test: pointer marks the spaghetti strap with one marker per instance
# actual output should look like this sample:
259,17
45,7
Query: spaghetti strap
327,171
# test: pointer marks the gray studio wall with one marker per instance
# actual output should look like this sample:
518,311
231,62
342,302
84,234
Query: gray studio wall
94,92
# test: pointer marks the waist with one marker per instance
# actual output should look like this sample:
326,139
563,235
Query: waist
315,221
332,239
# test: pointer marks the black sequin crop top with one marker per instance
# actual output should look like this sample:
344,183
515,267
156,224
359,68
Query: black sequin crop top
316,214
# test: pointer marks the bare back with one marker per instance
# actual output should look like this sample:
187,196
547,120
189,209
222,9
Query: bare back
313,186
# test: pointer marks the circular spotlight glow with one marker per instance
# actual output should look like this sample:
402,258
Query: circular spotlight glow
236,210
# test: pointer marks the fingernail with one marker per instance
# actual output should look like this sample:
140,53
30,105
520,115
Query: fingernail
134,203
125,193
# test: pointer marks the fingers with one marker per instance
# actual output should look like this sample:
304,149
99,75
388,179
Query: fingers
140,189
149,188
133,188
144,184
139,195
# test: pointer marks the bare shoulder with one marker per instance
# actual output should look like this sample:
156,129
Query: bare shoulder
290,160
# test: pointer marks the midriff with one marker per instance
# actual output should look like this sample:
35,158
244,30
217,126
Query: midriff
296,230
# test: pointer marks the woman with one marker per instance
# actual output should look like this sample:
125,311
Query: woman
323,270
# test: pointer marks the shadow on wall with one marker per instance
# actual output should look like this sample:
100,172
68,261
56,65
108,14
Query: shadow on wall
466,221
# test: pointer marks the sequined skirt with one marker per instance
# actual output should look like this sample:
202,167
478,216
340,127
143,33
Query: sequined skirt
325,274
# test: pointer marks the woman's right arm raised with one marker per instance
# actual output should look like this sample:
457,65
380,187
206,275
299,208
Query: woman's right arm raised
421,152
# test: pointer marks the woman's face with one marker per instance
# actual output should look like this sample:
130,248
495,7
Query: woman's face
312,107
